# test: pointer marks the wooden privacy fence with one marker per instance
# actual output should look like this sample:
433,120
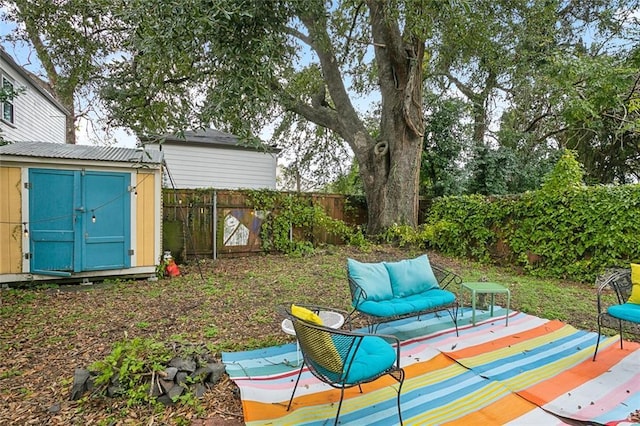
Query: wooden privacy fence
212,223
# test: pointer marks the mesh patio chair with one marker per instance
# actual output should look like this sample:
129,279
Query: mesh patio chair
344,359
620,316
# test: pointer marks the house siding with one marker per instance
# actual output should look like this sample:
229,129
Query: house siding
206,167
36,118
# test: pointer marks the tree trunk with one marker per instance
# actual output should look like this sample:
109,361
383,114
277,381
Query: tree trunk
391,170
391,181
389,165
70,120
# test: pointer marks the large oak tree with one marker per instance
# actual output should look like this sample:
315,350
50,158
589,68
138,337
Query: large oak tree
239,65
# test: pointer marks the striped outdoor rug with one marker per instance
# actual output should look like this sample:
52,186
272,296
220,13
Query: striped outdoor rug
533,372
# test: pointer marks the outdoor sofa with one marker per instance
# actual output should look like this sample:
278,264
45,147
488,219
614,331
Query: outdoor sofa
387,291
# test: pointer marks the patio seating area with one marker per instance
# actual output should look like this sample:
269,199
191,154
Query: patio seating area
470,369
534,371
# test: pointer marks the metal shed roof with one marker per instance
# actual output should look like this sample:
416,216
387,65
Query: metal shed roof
80,152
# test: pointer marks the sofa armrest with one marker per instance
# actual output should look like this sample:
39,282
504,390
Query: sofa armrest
445,277
358,294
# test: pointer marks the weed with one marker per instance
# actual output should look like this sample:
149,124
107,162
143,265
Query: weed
211,331
10,373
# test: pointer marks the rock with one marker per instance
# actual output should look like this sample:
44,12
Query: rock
156,389
55,408
201,374
181,378
166,385
113,391
170,373
217,370
165,399
80,378
183,364
199,390
175,392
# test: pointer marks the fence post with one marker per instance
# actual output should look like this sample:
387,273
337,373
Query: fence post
215,224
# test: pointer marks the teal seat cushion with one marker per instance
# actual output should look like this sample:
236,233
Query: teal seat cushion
627,311
425,301
411,276
373,357
372,277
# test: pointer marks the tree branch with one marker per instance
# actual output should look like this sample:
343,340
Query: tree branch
552,133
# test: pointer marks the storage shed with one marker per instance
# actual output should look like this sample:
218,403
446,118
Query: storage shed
78,212
213,159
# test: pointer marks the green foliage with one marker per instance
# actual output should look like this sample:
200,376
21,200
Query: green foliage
406,236
563,230
446,137
578,233
464,226
349,183
131,363
161,268
290,220
573,234
567,175
491,171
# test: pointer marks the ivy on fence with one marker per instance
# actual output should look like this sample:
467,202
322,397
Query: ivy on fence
565,229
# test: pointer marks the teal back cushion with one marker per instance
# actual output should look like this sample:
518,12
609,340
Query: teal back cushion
411,276
372,277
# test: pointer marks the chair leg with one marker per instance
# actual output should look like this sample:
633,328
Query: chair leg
401,381
620,330
595,352
454,317
295,386
339,406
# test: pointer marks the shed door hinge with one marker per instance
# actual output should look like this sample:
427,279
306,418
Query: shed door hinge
131,252
27,256
27,185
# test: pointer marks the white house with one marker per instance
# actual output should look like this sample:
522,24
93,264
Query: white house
34,114
213,159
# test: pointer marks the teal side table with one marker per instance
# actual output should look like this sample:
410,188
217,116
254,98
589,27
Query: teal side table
486,288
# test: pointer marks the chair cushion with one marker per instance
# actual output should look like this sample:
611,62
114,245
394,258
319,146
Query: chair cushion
425,301
372,277
635,281
627,312
306,314
373,357
411,276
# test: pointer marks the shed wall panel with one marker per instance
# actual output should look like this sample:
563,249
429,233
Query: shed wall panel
145,219
207,167
10,220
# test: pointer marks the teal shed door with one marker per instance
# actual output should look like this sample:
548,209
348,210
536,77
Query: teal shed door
106,221
78,221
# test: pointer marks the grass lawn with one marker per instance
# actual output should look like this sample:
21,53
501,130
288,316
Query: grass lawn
46,333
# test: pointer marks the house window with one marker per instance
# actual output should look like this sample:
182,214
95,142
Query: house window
7,100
